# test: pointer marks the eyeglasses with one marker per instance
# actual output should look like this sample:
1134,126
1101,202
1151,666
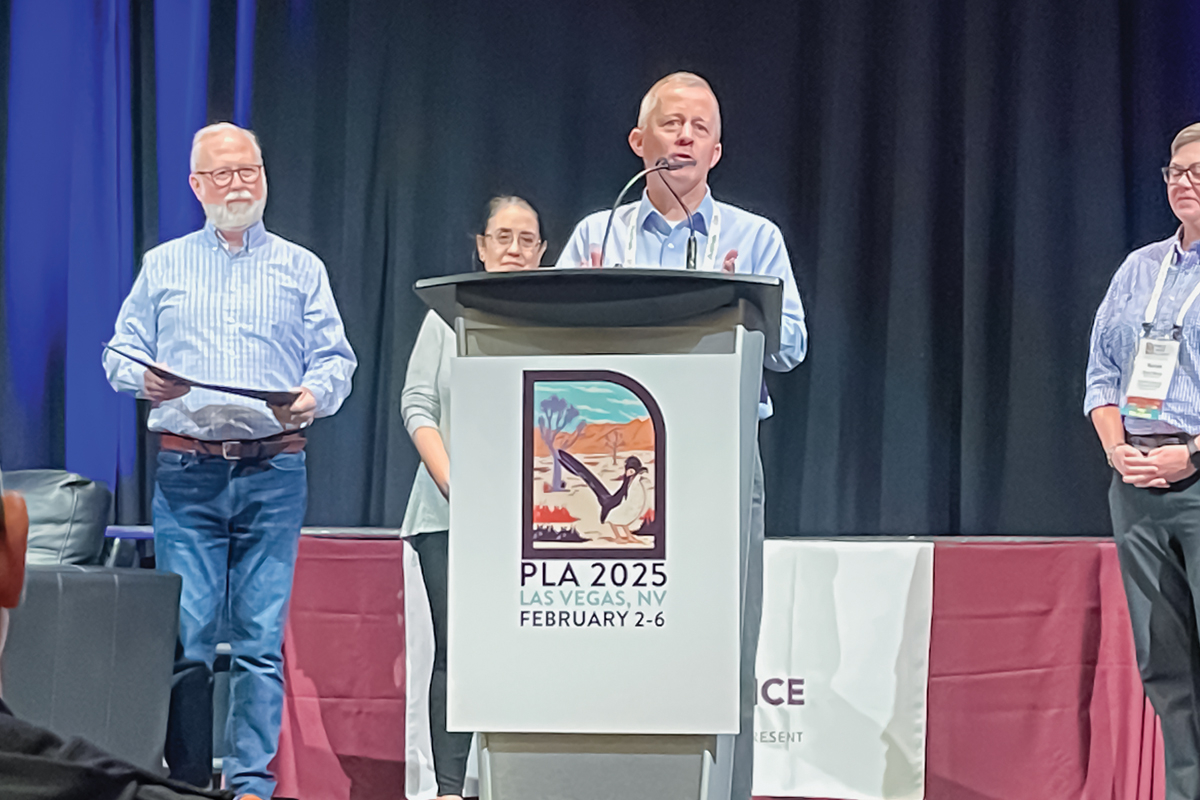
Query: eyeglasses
1172,173
224,176
504,238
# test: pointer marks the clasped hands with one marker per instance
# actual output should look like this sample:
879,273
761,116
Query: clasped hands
1154,470
301,412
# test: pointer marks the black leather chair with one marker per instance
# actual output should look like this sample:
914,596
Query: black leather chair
90,649
67,515
90,653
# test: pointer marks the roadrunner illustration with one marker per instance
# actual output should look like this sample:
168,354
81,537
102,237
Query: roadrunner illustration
622,507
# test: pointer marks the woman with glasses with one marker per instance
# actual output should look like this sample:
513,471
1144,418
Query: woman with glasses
511,240
1143,396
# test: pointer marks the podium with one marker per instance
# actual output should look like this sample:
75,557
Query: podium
604,433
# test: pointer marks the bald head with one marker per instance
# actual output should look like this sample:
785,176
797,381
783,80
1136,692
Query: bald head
690,80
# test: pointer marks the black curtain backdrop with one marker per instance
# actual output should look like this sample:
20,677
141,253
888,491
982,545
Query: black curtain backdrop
956,183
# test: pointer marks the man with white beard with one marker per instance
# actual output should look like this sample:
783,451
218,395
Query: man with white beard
234,305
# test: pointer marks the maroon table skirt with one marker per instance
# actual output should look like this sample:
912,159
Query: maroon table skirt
1033,687
343,715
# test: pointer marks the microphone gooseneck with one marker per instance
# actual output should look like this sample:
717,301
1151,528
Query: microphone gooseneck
659,165
691,242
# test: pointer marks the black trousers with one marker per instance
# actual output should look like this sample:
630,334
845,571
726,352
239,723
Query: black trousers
189,746
450,750
1158,543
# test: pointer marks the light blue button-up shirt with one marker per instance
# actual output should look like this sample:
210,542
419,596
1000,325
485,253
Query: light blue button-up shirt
1118,326
754,243
261,318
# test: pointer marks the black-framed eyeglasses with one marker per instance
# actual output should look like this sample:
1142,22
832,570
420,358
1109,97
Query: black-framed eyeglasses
1172,173
224,176
504,238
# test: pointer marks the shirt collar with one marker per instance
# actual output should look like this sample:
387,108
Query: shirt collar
649,218
253,237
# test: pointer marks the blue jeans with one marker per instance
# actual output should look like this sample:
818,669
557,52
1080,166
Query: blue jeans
230,529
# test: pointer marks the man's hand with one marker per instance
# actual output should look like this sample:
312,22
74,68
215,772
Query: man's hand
159,390
300,412
729,264
1172,461
1155,470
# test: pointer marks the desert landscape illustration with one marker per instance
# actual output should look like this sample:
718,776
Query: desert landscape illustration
608,470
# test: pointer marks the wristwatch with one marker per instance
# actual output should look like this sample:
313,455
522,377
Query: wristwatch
1193,452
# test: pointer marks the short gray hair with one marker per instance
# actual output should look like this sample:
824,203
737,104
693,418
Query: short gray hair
1185,137
650,101
218,127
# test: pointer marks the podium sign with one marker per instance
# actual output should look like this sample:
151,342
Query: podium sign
594,556
604,435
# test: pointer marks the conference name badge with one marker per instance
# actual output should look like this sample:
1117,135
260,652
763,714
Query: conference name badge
1153,367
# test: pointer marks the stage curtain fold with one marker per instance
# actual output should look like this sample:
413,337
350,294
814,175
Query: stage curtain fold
68,235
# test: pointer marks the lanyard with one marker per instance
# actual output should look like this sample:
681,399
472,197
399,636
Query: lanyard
710,249
1156,296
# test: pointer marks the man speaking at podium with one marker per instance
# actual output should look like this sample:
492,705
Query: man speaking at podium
234,305
679,127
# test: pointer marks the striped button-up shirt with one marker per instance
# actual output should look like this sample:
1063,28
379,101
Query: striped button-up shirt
1118,327
260,318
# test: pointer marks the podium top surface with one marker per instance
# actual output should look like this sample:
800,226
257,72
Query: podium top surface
605,298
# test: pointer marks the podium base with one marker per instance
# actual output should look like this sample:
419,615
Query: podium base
562,766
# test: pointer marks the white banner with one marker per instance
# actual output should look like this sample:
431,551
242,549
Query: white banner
843,667
420,781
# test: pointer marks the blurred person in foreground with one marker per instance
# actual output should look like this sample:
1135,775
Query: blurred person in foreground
37,764
511,240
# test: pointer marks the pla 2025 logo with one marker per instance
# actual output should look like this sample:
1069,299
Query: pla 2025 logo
594,476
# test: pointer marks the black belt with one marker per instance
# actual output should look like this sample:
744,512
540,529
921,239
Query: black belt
1145,442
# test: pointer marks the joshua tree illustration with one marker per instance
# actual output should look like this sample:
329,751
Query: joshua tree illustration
556,415
614,440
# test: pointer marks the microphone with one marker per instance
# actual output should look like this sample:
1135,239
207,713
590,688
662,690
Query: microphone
661,164
691,242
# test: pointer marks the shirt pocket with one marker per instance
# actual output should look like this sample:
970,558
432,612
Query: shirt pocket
271,302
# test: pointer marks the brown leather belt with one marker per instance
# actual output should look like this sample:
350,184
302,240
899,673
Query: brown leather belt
236,449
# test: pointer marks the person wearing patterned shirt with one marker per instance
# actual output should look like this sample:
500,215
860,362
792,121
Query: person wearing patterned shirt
679,120
1143,397
233,305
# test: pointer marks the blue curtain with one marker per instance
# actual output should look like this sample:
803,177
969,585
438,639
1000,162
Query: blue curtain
68,243
243,88
181,108
69,222
181,73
